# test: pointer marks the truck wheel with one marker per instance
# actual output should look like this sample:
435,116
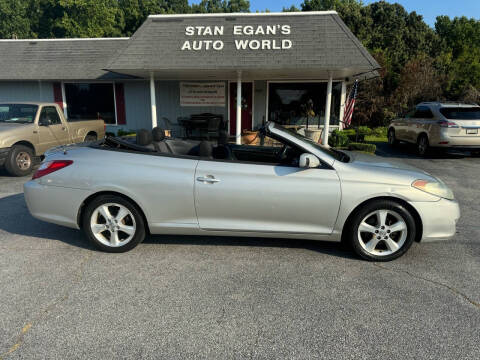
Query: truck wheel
90,138
19,161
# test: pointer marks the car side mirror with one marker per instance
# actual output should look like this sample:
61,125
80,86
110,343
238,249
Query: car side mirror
309,161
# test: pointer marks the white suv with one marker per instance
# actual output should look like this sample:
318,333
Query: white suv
438,125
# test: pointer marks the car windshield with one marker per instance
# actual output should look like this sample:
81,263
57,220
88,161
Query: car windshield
18,113
338,155
461,113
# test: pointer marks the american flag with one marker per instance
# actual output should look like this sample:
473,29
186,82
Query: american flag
350,105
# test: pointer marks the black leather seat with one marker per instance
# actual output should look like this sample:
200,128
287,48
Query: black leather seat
144,138
223,151
205,150
159,142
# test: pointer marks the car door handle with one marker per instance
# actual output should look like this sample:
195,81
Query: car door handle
208,179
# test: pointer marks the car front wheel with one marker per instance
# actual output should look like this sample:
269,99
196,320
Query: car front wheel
382,231
113,224
392,140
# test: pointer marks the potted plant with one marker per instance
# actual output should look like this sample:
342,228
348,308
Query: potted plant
249,137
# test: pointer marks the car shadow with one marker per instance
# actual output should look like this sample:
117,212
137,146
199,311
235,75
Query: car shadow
408,151
13,208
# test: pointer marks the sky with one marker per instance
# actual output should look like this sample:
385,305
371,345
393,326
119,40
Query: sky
430,9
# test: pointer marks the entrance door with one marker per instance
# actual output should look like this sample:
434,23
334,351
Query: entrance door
247,106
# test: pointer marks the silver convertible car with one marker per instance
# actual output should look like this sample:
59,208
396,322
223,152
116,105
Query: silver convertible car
118,190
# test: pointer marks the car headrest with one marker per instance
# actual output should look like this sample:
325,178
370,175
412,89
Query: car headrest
222,138
144,137
205,149
158,134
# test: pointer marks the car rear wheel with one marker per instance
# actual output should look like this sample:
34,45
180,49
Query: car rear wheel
392,140
382,231
113,224
422,145
19,161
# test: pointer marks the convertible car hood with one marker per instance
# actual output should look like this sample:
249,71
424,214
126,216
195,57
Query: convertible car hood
361,159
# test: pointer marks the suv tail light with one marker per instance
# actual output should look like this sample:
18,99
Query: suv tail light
50,167
447,124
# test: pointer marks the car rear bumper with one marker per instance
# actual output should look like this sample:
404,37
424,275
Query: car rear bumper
55,204
3,155
439,219
458,142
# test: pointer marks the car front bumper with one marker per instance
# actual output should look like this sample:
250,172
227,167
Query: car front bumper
55,204
439,219
3,155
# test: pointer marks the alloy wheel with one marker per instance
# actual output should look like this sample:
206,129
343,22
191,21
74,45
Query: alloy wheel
422,145
391,138
382,232
113,224
23,160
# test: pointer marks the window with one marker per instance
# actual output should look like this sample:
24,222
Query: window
423,112
86,101
464,113
18,113
300,103
49,115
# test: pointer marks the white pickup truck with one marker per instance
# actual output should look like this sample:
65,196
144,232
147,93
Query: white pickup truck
27,130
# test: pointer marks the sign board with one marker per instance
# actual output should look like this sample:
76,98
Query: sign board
246,37
202,94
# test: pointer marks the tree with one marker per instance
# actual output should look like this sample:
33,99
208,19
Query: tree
221,6
14,19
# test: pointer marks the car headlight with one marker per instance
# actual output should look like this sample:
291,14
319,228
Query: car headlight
436,188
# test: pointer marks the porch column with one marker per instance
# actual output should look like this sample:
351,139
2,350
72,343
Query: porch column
238,130
343,97
153,100
328,106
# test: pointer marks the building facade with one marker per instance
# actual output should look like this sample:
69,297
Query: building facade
292,68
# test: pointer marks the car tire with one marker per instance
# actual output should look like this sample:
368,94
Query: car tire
382,230
423,146
19,161
113,224
90,138
392,140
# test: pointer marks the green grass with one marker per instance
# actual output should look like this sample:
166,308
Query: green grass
374,139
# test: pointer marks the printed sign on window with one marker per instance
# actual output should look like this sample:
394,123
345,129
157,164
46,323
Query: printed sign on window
202,94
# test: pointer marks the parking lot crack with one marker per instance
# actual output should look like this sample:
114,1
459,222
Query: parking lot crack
77,278
434,282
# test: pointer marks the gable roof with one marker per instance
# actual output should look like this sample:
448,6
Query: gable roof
58,59
320,42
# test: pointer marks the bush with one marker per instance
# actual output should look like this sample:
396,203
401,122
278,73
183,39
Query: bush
380,132
122,132
370,148
338,139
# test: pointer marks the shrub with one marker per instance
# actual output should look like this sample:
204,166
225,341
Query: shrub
370,148
338,139
380,132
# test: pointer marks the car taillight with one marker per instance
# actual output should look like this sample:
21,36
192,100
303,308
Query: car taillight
447,124
50,167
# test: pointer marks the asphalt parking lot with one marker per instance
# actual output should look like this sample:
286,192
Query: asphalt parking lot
192,297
